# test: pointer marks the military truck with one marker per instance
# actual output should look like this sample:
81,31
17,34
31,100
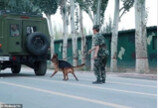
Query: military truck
24,39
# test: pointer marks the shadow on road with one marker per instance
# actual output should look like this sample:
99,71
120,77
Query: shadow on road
16,75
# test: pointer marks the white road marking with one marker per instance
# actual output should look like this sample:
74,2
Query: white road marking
96,87
66,95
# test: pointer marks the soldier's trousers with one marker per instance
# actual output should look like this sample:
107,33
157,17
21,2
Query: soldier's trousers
99,67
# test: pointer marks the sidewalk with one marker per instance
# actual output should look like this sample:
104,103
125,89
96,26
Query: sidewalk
134,75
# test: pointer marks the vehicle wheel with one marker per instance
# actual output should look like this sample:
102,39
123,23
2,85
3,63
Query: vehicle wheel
40,68
37,43
16,68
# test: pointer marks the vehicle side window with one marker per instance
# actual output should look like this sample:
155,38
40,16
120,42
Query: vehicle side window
31,29
15,30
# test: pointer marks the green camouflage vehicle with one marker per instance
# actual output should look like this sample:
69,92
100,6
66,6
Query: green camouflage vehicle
24,39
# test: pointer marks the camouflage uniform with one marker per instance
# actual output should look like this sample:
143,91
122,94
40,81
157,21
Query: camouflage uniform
101,60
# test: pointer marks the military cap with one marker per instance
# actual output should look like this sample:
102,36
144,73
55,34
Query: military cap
96,27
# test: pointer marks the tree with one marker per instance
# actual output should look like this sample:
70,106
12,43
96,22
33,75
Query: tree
127,4
64,13
73,32
83,39
95,9
49,7
142,64
108,27
114,40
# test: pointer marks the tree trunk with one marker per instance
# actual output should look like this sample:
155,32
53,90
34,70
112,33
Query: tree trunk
114,41
92,55
95,22
98,12
73,32
51,33
65,30
142,65
83,39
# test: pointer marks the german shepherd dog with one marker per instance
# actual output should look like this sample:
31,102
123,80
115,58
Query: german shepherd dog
64,66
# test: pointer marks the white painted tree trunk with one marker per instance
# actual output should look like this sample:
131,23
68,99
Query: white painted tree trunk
83,38
114,40
93,19
51,33
95,22
92,55
142,65
65,31
73,32
98,12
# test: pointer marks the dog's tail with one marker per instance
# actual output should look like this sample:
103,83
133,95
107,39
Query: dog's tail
79,66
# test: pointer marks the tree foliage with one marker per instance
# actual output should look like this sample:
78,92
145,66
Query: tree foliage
91,6
19,6
49,7
127,4
3,4
30,6
102,10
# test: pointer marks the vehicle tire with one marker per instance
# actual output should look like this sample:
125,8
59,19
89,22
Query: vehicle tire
16,68
40,68
37,43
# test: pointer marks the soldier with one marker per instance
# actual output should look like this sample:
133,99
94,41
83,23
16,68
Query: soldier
100,56
14,30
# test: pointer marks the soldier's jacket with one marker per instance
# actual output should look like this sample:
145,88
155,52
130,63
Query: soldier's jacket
99,40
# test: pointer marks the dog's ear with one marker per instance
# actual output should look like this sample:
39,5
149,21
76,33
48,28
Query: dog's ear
56,55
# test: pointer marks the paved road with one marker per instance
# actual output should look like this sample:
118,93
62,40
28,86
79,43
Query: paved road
45,92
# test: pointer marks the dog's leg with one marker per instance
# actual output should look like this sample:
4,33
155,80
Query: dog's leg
54,73
73,73
67,76
75,76
64,74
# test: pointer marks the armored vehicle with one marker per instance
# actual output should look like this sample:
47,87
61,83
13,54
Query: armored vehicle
24,39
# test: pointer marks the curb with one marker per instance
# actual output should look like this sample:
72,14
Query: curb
138,76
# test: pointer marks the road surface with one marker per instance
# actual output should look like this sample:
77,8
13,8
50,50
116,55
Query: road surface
32,91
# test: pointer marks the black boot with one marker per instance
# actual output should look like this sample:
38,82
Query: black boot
98,81
103,80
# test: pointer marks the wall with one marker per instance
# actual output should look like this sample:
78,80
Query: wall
126,48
